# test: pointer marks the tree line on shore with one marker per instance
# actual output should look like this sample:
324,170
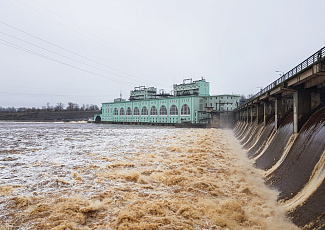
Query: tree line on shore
58,107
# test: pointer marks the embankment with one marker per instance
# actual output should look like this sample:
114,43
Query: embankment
294,164
44,115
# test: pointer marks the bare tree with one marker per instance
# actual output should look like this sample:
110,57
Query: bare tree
72,106
76,107
93,107
59,107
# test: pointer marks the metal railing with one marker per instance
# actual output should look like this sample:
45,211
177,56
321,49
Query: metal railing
317,57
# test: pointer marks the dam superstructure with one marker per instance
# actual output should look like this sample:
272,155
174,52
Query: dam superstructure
282,128
190,103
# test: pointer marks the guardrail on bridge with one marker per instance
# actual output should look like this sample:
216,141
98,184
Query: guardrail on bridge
316,58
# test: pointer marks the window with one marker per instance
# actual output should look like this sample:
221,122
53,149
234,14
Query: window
163,110
115,112
173,110
144,111
153,110
128,111
122,112
136,111
185,110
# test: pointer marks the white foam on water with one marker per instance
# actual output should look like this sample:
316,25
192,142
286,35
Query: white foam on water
86,176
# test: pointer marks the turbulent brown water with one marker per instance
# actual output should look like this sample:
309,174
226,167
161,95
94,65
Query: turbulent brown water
85,176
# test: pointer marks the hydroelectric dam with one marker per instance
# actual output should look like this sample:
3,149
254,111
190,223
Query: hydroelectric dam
282,128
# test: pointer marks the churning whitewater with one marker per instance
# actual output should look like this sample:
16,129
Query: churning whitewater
86,176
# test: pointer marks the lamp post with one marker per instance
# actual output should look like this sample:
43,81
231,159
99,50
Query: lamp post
280,72
260,90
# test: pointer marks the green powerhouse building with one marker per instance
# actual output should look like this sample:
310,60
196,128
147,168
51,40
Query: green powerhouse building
190,103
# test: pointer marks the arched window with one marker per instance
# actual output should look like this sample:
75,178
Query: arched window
128,111
122,112
153,110
115,112
144,111
136,111
185,110
173,110
163,110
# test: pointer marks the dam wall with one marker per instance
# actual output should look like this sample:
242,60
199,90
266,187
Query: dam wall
282,128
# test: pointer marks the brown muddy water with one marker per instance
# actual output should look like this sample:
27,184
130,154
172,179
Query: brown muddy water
87,176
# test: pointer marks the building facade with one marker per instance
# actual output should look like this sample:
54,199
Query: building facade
190,103
225,102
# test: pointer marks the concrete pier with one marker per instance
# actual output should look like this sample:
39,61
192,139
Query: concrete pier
279,112
301,108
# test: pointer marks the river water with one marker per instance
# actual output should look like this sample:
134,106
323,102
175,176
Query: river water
88,176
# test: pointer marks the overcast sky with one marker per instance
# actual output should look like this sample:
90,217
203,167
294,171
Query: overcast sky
90,51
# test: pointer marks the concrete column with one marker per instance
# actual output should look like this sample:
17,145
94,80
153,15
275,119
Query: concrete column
265,117
252,115
322,94
247,115
268,111
279,112
259,113
301,108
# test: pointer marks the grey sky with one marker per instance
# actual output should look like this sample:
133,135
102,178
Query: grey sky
93,50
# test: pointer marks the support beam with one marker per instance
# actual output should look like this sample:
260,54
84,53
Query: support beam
259,113
279,112
265,117
268,111
301,108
